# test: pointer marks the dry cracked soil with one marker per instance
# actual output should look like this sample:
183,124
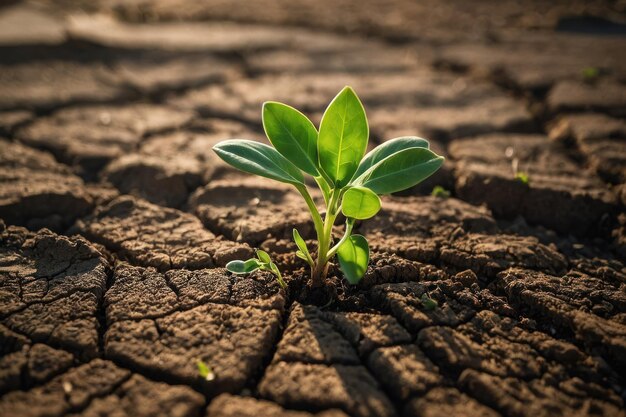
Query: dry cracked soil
116,219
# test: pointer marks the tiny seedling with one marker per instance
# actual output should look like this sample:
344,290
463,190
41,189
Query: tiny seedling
350,181
205,371
428,303
522,177
439,191
262,262
590,74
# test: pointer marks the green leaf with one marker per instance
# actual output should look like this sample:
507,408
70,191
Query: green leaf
274,270
400,171
389,148
591,73
360,203
439,191
241,267
428,303
205,371
522,177
354,255
343,137
292,134
301,244
259,159
263,256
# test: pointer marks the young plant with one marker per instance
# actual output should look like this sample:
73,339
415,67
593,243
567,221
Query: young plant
520,176
428,303
590,74
349,180
262,262
439,191
205,370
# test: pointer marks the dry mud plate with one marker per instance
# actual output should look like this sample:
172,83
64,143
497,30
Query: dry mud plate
116,219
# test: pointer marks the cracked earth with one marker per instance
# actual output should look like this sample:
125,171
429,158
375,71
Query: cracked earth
116,219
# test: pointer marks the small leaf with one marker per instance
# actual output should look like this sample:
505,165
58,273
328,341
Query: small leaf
522,177
292,134
400,171
343,137
389,148
274,269
205,371
360,203
428,303
590,74
439,191
259,159
354,255
263,256
301,244
301,255
242,268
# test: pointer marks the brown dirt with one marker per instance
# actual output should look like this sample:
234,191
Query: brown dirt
116,219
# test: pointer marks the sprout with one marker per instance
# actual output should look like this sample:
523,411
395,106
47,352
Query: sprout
349,180
522,177
439,191
205,371
428,303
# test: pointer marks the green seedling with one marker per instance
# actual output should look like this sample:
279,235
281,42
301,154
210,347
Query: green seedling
590,74
349,180
262,262
428,303
522,177
439,191
205,371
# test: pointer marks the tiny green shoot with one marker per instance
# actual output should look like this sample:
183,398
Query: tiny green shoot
439,191
205,371
262,262
350,181
428,303
518,175
590,74
522,177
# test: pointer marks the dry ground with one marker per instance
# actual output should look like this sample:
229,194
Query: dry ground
116,218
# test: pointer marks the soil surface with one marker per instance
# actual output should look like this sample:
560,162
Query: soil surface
116,218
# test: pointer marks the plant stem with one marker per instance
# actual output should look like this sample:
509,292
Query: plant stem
280,279
324,231
346,235
325,240
320,230
323,185
317,219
